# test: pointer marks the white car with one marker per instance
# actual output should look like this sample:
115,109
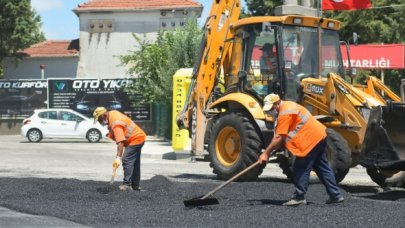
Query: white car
61,123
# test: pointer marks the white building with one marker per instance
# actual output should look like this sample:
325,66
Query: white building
106,32
106,29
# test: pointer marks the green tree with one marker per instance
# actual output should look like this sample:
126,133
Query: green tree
383,23
153,64
261,7
19,27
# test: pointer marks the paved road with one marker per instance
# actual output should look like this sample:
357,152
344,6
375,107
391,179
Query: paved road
57,183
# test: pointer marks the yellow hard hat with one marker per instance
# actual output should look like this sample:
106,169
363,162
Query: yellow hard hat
98,112
269,100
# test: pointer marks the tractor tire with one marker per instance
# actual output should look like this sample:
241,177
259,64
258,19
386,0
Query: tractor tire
387,178
337,152
286,165
234,144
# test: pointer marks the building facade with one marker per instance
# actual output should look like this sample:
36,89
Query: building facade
107,30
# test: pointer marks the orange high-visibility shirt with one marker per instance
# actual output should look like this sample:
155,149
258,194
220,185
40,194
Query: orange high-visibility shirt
301,131
123,129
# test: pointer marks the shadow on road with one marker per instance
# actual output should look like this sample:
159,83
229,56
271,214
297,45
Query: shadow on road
376,193
195,176
266,202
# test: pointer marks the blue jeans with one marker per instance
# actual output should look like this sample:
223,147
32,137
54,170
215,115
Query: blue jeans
131,162
316,160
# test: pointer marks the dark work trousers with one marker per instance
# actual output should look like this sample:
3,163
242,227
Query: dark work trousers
131,162
316,160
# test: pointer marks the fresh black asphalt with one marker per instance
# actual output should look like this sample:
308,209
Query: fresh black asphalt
248,204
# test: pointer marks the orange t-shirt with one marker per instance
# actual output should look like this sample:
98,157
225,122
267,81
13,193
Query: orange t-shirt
123,129
301,131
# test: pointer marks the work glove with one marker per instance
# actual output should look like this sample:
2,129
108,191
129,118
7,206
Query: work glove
117,162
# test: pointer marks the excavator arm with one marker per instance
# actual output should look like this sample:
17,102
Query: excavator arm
214,47
376,88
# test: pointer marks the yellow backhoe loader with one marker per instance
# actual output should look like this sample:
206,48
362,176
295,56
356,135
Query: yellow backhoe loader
376,88
306,66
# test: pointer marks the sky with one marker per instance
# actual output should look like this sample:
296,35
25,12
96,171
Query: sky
60,23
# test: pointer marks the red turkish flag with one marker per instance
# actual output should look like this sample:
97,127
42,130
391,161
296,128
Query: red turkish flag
345,4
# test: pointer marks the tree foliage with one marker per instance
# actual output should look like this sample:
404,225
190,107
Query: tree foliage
153,64
19,27
261,7
383,23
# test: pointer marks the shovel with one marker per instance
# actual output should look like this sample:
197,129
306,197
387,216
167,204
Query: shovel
109,188
206,199
113,175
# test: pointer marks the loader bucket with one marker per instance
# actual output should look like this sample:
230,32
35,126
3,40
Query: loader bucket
384,147
394,123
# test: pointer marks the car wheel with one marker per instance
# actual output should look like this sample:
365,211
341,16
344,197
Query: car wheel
34,135
93,135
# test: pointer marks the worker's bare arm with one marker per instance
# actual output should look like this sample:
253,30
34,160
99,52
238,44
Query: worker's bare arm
275,143
120,149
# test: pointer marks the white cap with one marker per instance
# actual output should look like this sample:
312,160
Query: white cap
269,100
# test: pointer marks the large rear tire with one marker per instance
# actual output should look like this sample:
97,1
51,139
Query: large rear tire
233,145
337,152
286,165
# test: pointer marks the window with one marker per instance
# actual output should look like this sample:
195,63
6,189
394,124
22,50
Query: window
68,116
48,115
258,60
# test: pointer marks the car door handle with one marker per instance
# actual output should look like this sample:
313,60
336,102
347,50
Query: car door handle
43,122
63,123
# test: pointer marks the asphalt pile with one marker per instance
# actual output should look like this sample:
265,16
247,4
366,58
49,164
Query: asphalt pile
161,204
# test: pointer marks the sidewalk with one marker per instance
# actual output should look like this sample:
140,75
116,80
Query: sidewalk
159,148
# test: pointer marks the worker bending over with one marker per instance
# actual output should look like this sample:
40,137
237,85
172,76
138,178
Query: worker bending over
127,135
305,137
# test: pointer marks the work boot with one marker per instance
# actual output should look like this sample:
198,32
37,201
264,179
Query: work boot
125,187
335,200
137,188
295,202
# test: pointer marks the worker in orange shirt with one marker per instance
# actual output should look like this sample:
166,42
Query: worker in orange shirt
305,137
127,135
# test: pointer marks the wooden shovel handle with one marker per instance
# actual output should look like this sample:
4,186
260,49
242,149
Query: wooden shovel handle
113,175
230,180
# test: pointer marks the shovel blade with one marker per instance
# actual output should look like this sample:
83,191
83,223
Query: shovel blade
113,176
196,202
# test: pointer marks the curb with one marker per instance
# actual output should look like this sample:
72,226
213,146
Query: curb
167,156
